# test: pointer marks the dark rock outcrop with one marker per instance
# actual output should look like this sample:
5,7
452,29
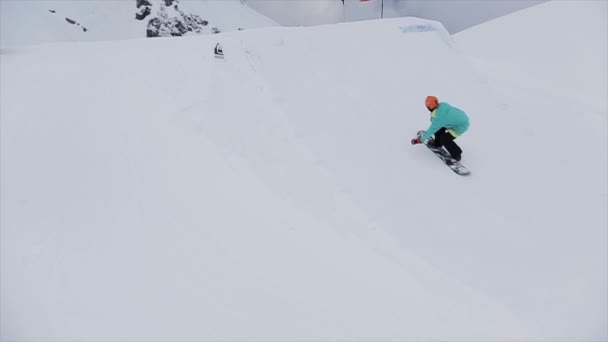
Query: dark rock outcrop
74,22
171,22
141,15
144,9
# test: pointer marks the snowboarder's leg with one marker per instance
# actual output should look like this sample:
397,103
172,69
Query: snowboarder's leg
437,142
447,140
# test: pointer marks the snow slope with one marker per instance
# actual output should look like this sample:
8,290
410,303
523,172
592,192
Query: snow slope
274,195
30,22
573,33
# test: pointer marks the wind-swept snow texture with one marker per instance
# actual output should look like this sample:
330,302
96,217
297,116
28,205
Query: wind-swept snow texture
274,194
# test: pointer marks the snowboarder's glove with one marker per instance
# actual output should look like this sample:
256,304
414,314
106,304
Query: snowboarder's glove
416,141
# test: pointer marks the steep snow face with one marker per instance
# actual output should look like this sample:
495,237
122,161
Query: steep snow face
45,21
274,195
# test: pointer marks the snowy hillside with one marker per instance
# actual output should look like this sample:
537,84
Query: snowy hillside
45,21
571,62
274,194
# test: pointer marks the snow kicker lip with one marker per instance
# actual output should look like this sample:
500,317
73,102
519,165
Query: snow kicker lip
429,26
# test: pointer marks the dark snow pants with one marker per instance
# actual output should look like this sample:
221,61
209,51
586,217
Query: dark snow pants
446,139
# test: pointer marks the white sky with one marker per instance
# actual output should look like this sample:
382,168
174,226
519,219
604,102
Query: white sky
454,14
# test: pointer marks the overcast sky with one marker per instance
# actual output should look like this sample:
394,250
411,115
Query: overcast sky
455,15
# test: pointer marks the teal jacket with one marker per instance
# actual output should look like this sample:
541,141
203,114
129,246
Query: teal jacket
454,120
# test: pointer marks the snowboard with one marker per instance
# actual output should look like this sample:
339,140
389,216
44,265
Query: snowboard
456,166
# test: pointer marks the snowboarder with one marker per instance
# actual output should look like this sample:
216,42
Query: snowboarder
447,123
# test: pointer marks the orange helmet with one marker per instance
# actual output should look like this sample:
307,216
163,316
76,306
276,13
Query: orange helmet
431,102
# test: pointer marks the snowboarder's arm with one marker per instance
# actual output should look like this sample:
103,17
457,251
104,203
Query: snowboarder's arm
435,126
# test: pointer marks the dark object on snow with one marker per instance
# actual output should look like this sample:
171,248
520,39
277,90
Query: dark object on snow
143,14
218,51
163,25
73,22
143,3
52,11
165,28
153,28
215,30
